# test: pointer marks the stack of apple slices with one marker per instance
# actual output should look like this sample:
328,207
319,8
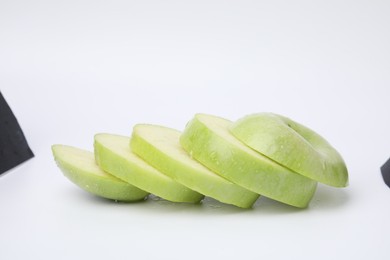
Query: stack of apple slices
232,162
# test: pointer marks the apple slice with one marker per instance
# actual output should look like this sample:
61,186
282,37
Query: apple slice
79,167
160,147
208,139
293,146
113,154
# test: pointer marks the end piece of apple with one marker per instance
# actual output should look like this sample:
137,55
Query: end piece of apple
79,167
208,139
113,154
160,147
293,146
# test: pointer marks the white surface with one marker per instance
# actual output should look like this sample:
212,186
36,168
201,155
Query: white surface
75,68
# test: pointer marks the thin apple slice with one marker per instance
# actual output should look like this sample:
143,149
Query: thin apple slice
160,147
79,167
293,146
208,139
113,154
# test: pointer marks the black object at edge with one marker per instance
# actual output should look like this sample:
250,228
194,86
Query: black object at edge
385,169
14,149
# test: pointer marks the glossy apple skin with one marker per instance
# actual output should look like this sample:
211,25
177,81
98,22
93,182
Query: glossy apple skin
80,168
208,139
113,154
160,147
292,145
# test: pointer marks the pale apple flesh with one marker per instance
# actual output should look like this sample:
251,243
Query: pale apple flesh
293,146
113,154
160,147
79,167
208,139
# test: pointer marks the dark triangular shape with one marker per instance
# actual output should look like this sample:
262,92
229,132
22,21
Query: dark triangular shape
13,145
385,169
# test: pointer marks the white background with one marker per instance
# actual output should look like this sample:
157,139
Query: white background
70,69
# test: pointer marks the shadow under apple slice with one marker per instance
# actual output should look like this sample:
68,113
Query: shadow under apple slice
329,198
325,199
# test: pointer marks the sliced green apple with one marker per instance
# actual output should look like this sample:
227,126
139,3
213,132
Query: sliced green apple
113,154
160,147
293,146
208,139
79,166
